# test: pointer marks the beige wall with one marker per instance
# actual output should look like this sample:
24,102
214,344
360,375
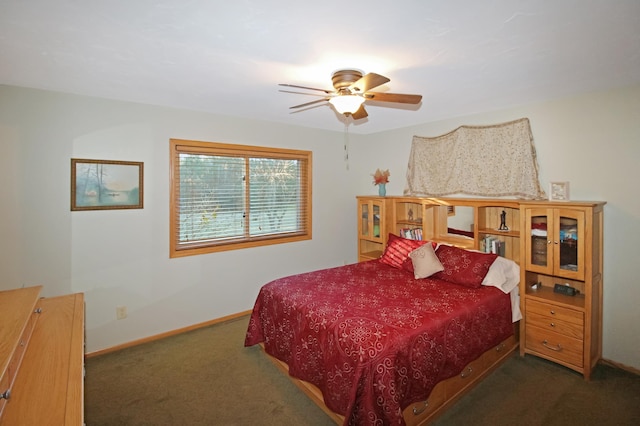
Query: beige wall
121,257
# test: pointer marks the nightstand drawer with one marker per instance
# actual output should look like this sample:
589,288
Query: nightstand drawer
554,345
552,324
554,311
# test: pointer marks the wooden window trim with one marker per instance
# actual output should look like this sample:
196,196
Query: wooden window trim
221,149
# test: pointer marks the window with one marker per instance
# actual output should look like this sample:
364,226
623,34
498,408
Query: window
226,197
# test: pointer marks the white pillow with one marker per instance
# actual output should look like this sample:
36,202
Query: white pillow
425,262
504,273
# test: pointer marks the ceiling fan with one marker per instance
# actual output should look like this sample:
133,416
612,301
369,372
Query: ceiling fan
352,89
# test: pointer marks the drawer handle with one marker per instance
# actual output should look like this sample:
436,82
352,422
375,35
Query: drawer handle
558,348
38,311
553,324
417,411
552,312
6,394
500,347
466,373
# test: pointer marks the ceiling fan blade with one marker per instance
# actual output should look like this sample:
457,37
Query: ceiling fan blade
360,113
309,103
302,93
393,97
368,82
304,87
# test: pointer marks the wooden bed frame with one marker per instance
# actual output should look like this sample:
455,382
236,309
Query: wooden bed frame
443,396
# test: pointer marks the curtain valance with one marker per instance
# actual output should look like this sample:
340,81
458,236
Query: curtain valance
495,160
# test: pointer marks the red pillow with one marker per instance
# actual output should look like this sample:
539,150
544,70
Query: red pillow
396,253
464,267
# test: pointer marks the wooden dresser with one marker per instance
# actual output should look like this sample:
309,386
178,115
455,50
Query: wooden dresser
41,358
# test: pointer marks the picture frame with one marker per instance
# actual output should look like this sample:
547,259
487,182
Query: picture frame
559,191
106,184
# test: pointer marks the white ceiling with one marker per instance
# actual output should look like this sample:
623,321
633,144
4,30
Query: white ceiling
227,57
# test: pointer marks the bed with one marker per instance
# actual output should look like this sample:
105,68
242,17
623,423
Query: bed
393,340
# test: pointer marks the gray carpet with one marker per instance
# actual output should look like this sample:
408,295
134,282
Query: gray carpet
531,391
207,377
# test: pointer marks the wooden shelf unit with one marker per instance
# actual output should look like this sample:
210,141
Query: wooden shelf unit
570,253
489,220
562,244
41,358
412,214
433,217
372,227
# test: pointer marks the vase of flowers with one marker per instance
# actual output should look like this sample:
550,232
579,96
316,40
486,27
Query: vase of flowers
381,178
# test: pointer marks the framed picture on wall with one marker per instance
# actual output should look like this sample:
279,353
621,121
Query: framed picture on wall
559,191
106,185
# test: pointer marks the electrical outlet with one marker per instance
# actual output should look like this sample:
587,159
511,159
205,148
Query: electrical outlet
121,312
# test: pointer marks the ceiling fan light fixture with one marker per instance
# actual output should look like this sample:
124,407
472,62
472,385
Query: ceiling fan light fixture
347,104
352,88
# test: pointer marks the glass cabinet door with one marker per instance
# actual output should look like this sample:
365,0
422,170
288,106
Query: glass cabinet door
364,219
370,220
568,243
539,228
555,242
371,228
376,220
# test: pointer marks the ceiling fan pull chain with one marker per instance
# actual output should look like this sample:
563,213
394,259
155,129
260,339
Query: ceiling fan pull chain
346,143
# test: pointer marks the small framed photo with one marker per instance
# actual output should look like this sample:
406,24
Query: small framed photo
559,191
106,185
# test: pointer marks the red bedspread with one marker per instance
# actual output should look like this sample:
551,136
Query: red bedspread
372,338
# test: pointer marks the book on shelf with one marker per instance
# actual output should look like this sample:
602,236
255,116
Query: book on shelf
491,244
411,233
